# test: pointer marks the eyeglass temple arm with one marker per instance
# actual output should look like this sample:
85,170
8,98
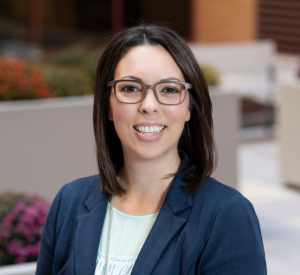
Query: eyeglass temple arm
110,83
189,86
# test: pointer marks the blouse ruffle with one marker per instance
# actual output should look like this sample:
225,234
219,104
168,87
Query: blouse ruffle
115,266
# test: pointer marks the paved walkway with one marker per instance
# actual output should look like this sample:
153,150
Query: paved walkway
277,207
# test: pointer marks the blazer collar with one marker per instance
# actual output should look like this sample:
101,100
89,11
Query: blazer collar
96,195
177,198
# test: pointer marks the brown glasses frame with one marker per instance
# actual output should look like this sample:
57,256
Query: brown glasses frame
113,83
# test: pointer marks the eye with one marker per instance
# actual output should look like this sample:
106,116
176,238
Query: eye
130,89
169,90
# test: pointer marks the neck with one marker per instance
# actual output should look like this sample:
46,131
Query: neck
145,183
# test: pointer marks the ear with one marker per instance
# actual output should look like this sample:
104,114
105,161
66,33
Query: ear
188,115
110,114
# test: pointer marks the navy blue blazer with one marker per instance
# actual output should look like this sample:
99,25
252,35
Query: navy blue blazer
213,232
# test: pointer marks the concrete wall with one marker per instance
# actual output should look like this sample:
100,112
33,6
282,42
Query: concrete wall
289,135
45,144
226,126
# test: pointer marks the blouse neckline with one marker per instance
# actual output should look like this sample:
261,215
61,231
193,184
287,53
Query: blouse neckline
126,216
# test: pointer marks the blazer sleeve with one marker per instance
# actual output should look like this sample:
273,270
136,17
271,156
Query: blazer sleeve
46,253
235,244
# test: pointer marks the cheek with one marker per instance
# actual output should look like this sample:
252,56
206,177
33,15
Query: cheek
178,116
179,113
122,116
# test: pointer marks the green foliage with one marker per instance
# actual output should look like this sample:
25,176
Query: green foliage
70,72
211,76
67,82
73,58
8,200
79,59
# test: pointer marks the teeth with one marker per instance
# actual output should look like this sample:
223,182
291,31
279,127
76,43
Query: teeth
150,131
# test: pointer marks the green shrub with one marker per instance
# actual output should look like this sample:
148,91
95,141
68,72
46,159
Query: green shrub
211,76
68,82
8,200
73,58
79,59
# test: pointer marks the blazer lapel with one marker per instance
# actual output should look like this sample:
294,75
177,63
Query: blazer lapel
168,223
88,232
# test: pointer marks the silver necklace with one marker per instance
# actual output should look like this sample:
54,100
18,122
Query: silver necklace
108,233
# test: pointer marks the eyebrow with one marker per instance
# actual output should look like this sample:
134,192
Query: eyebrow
139,79
132,77
170,78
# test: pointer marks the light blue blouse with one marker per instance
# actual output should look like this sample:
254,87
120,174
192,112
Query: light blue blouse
128,234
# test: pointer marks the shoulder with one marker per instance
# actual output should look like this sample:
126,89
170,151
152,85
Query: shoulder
219,203
216,193
79,189
232,227
218,188
72,196
234,212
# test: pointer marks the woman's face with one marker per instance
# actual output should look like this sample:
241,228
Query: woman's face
151,64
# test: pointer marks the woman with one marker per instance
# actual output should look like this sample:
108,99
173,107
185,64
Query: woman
153,209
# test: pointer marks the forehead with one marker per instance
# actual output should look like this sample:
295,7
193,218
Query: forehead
151,63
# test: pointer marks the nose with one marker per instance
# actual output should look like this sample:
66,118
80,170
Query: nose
150,103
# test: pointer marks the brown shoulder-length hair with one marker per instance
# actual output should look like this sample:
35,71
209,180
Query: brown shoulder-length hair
197,137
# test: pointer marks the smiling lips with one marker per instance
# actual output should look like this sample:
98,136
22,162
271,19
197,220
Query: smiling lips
149,130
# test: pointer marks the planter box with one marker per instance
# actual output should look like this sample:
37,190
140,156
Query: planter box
19,269
226,116
289,137
47,143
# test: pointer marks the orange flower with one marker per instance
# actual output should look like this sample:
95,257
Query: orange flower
18,80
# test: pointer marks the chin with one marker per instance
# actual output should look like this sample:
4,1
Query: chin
153,153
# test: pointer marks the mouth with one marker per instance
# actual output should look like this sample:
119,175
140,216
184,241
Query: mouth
149,130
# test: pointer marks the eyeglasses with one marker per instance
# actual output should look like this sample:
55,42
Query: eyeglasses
166,92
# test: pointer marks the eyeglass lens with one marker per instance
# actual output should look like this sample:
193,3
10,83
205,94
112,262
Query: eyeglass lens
132,92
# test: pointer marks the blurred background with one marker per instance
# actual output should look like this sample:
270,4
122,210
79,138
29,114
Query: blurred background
249,52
